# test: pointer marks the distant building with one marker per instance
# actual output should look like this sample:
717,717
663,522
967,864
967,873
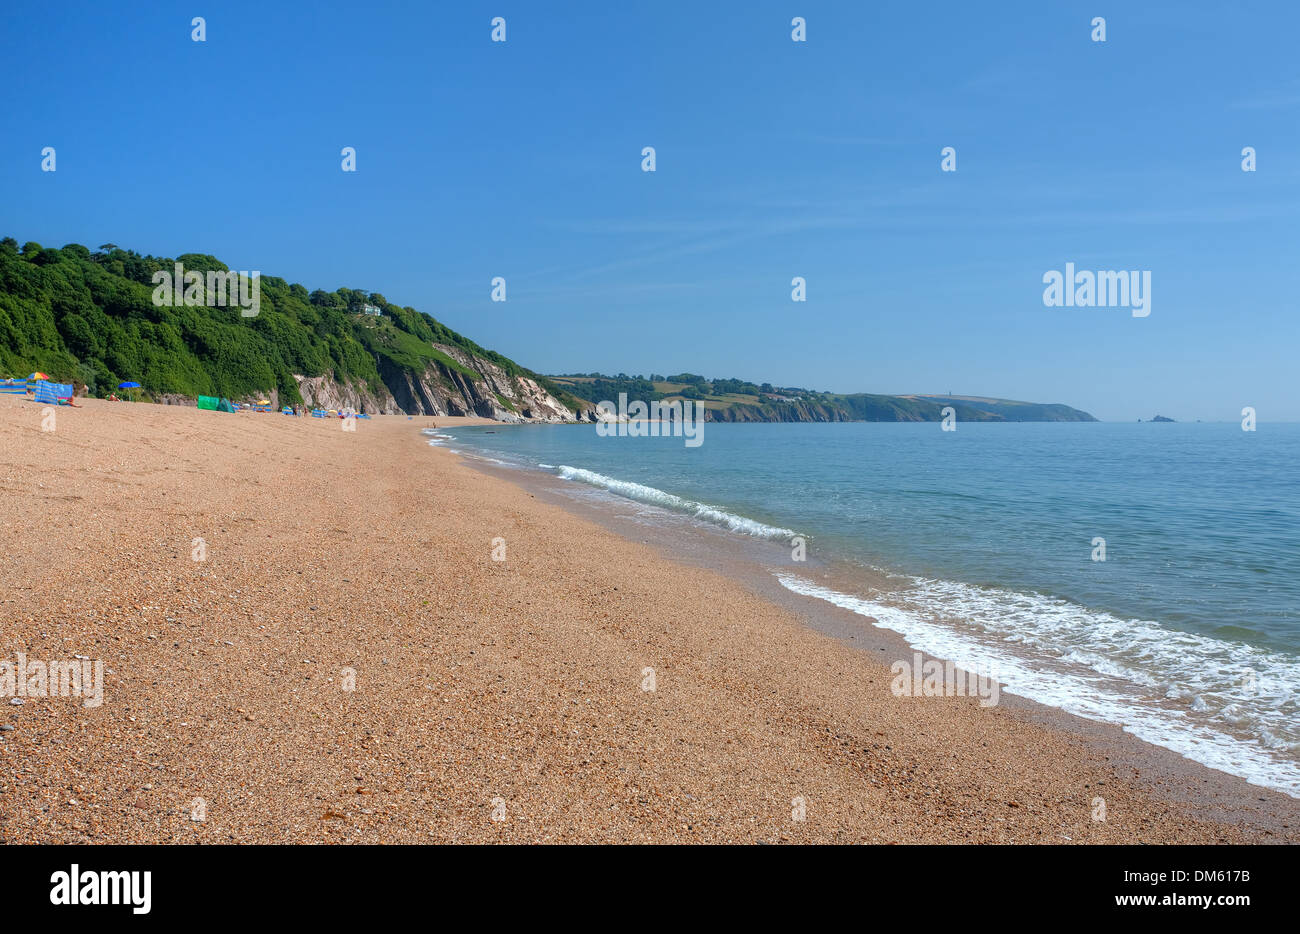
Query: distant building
372,311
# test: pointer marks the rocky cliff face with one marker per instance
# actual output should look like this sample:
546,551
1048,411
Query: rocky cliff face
328,393
470,385
781,412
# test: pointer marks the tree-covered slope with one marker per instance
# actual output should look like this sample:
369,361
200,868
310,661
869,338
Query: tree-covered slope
89,317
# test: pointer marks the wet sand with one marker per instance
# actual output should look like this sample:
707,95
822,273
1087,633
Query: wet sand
493,700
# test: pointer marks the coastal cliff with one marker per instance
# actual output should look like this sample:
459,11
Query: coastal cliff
97,319
736,400
474,386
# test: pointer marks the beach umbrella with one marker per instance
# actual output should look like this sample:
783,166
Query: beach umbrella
129,385
37,375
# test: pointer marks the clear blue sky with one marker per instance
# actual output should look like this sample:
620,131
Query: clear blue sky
775,159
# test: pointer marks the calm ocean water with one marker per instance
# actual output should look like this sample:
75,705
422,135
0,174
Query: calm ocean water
1188,633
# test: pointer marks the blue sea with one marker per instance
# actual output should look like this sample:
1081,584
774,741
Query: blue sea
981,545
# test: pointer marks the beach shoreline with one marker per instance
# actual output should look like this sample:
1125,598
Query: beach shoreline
751,563
494,700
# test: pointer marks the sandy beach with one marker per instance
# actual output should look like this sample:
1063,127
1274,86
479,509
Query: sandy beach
347,663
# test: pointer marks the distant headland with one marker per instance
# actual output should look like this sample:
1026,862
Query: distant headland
737,400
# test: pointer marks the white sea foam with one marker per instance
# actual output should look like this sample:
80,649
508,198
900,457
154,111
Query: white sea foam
1210,675
437,440
657,497
1105,668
